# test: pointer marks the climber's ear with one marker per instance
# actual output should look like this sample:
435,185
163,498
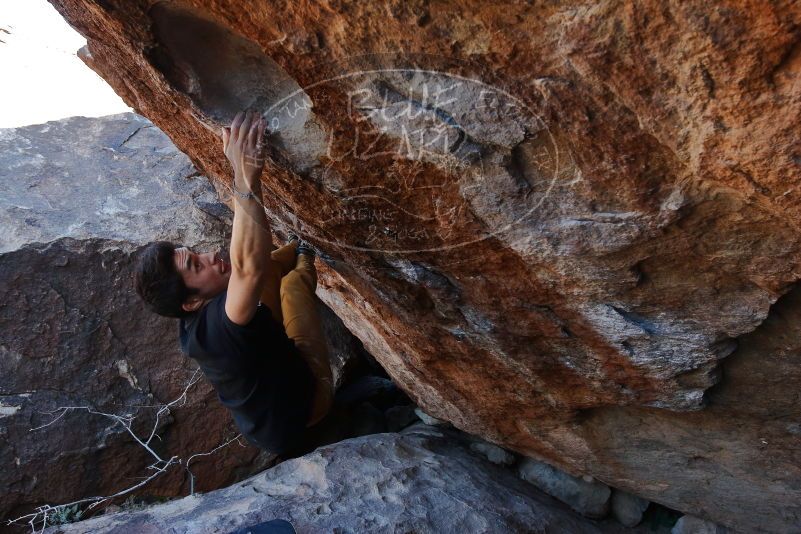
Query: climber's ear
192,303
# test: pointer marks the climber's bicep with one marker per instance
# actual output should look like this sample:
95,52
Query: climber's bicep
243,297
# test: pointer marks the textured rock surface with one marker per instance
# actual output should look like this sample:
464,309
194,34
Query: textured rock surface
614,205
114,179
429,420
628,508
493,453
589,498
693,525
77,198
422,480
743,448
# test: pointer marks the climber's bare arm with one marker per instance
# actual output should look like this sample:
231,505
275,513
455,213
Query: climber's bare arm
251,241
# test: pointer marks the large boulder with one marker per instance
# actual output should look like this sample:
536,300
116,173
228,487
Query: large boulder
421,480
551,222
79,198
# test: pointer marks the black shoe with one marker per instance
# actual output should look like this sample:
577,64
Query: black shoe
304,247
276,526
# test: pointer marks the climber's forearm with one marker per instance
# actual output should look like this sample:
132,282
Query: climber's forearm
251,239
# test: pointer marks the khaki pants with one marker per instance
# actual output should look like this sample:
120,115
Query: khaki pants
289,294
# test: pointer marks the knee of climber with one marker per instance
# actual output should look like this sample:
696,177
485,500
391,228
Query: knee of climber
306,264
300,276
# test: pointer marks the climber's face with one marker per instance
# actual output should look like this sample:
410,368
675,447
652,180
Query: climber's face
208,273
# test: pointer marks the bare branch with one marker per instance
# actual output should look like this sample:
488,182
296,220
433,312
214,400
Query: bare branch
182,399
192,475
46,509
158,467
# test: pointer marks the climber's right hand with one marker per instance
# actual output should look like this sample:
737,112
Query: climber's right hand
243,144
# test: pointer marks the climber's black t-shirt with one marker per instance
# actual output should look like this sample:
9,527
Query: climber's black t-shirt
255,370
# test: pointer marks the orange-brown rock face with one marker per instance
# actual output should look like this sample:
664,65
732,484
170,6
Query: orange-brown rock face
550,223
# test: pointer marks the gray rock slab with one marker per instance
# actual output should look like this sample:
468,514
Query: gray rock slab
117,178
424,480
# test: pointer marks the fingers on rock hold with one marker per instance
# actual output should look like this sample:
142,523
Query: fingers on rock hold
244,129
256,130
236,124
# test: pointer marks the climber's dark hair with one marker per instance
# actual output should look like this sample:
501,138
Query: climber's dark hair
159,283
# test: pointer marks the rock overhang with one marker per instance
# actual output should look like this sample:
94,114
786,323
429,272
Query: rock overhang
664,234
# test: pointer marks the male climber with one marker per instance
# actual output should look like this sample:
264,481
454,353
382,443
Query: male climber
250,322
